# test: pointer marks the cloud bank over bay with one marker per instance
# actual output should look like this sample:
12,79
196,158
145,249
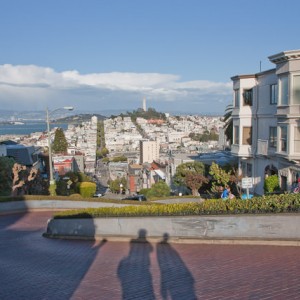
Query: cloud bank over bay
30,87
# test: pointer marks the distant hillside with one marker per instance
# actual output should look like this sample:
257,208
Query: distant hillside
77,119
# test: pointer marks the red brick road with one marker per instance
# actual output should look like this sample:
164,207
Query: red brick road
33,267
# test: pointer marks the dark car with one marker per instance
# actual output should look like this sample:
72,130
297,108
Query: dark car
136,198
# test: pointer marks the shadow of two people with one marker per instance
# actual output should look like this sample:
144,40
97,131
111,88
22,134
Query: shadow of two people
176,281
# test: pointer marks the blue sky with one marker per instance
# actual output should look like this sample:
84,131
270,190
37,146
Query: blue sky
103,55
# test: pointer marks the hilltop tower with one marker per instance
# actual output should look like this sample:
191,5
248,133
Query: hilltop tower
144,104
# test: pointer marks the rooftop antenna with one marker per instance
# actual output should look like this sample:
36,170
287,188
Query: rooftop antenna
260,66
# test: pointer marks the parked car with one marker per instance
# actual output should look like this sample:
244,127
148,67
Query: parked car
136,198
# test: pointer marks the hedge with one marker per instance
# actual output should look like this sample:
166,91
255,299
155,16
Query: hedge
269,204
73,197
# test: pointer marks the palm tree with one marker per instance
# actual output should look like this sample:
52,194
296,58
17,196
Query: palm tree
227,118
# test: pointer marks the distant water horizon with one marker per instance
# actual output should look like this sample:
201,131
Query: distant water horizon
27,128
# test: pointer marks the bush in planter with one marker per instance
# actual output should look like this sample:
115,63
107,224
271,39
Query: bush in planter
271,184
86,189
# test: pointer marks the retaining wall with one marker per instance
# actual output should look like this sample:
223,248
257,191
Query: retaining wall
262,227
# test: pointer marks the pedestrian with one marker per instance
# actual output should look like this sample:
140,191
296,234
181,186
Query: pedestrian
225,193
296,190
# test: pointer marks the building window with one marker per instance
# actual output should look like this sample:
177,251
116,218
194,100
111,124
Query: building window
273,93
297,140
273,137
249,170
283,138
248,95
236,98
247,135
246,169
283,81
296,89
236,134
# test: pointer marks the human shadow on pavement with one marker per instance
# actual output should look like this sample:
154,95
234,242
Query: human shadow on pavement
134,270
176,282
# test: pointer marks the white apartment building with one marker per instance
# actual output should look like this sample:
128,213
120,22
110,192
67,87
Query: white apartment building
149,151
266,122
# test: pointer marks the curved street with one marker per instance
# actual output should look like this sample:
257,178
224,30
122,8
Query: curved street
33,267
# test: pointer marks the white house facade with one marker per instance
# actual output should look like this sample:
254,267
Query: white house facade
266,122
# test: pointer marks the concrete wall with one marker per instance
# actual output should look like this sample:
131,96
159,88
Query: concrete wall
270,227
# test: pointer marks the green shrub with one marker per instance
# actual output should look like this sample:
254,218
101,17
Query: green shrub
269,204
86,189
75,196
271,184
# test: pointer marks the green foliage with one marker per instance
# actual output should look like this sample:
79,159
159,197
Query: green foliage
220,177
159,189
60,144
100,134
6,164
114,185
119,159
151,113
61,188
284,203
105,160
83,177
271,184
205,137
145,192
75,196
182,170
86,189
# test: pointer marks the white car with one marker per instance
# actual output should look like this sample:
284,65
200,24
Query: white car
97,195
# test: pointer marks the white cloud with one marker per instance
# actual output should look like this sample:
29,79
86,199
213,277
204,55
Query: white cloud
31,84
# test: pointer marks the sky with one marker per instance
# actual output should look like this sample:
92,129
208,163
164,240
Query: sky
105,55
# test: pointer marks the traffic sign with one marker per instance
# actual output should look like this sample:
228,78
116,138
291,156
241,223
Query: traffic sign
247,183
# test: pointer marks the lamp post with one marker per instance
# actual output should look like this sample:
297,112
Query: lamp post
48,113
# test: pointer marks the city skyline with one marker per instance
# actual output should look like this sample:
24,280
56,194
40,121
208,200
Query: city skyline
100,55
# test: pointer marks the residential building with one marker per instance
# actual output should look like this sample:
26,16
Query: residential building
266,122
149,151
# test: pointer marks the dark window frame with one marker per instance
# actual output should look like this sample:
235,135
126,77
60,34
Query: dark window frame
248,97
273,94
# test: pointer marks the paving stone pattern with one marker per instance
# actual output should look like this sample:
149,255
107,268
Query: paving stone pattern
33,267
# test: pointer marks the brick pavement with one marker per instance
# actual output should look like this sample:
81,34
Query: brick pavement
32,267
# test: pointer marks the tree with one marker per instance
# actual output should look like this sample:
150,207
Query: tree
23,178
190,175
60,144
194,182
6,164
115,185
182,170
220,178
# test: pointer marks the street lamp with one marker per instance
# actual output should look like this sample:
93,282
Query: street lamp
48,113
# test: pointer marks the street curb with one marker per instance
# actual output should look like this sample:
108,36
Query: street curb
254,242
